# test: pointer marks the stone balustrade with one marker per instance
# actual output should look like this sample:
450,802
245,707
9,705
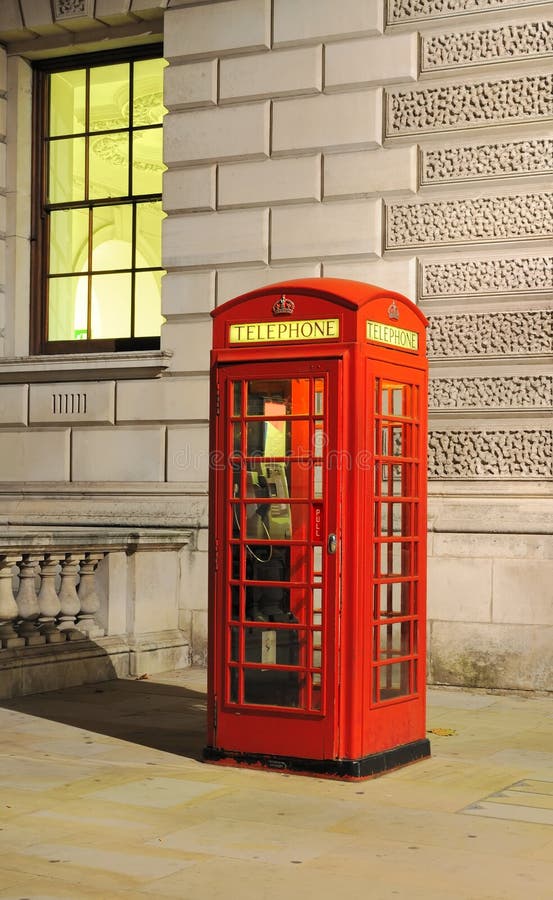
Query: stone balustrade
49,585
48,597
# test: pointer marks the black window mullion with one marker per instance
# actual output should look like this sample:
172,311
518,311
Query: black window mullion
87,136
131,127
133,266
89,275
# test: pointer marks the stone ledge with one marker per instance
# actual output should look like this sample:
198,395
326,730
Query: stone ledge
84,366
33,537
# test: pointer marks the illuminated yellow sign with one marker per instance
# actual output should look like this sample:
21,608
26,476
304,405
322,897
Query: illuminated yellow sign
285,330
390,334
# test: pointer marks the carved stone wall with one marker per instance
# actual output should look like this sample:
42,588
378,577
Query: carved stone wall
414,10
525,453
509,392
455,107
485,277
502,44
460,221
494,160
490,334
70,9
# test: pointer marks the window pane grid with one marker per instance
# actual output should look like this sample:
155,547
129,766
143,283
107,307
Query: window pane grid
275,594
394,630
99,163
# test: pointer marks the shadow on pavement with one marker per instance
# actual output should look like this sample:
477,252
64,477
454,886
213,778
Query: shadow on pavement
165,717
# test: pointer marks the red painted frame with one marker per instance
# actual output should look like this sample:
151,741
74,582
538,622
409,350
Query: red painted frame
360,733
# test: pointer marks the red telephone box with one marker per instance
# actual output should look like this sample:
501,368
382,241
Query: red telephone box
318,530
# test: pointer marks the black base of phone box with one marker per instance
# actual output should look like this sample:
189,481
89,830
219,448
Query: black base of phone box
347,769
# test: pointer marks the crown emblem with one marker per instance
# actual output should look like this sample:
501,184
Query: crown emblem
283,306
393,311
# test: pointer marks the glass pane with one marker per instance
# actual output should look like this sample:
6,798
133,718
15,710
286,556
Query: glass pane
395,640
147,304
267,687
109,97
66,175
149,217
267,563
234,644
147,165
67,102
395,558
236,398
319,397
317,481
397,401
270,601
315,691
236,556
384,407
388,480
111,306
393,519
392,599
112,238
317,599
236,442
319,439
233,686
278,398
234,601
148,108
277,480
277,521
272,645
393,681
109,166
317,559
268,438
67,308
392,440
68,241
267,604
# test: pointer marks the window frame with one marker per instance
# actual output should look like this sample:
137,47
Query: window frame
40,208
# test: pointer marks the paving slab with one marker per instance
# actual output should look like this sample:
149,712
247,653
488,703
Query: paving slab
103,794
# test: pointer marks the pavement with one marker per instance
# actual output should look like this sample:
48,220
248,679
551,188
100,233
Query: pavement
103,795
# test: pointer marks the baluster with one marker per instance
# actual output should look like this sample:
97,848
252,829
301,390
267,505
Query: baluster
48,600
27,600
88,597
8,606
69,600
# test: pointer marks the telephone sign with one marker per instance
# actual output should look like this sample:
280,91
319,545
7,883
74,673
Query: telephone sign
318,530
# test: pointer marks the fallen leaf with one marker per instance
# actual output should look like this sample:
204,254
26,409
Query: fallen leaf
442,732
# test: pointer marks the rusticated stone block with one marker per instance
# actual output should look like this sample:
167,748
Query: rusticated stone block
471,277
455,107
484,219
504,43
491,334
489,453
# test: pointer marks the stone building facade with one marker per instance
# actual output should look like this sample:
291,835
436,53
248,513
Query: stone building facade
406,143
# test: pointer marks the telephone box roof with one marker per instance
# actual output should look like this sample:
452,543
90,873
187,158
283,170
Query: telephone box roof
342,291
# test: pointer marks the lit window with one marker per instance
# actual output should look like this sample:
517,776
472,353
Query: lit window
98,210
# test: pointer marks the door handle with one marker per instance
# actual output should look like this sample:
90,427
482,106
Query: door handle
331,543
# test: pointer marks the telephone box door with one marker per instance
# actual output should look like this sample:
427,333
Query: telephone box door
277,551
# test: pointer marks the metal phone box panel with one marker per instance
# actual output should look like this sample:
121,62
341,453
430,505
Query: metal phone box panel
317,603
